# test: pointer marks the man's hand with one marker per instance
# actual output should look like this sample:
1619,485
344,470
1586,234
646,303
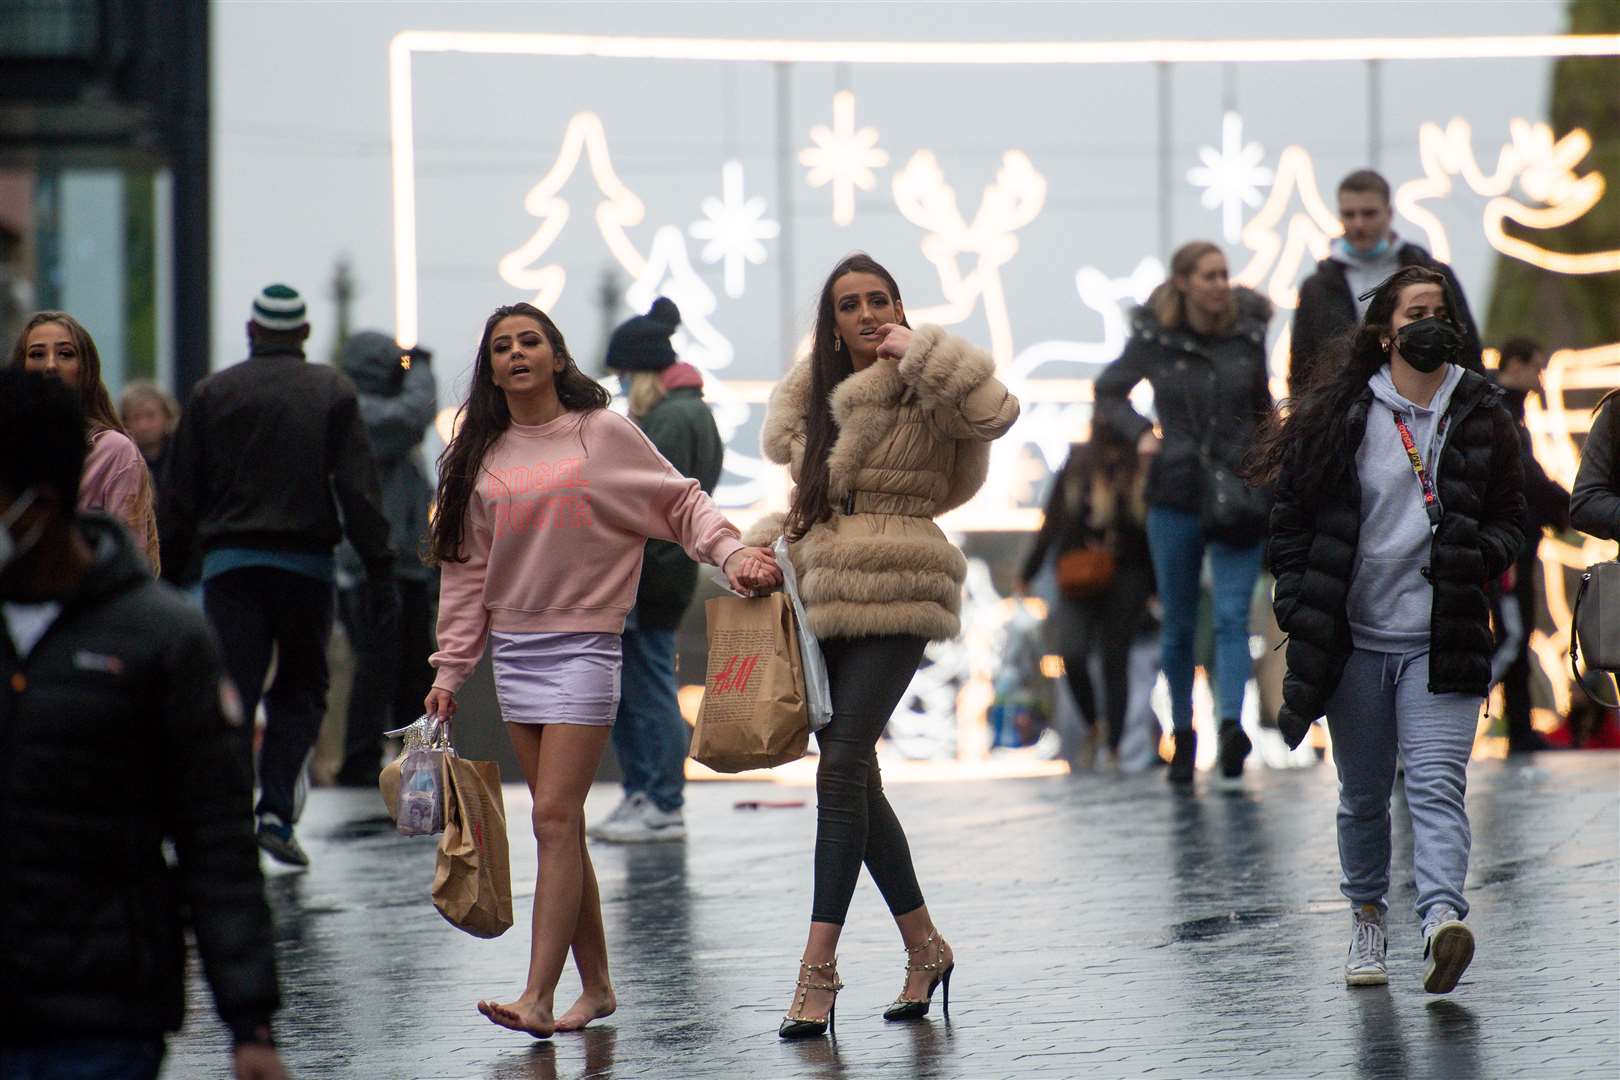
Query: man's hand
753,568
257,1061
896,340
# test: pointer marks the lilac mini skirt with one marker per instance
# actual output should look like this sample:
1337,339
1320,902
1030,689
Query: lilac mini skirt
545,678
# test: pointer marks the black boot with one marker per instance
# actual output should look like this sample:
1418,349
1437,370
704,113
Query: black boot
1235,746
1181,762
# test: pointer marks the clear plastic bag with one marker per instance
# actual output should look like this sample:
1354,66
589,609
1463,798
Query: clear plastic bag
818,691
420,810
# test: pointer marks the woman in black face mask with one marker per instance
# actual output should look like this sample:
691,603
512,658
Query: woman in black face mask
1399,499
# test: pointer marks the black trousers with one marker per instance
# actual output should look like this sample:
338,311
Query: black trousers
854,822
1516,680
392,675
256,610
1113,646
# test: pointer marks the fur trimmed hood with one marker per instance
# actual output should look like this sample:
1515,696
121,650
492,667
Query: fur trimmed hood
913,442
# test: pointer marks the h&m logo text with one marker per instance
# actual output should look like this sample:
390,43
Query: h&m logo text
733,678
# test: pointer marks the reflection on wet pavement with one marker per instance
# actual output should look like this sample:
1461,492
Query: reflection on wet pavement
1103,926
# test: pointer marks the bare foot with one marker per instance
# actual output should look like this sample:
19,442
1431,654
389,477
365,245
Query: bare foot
525,1014
590,1006
918,983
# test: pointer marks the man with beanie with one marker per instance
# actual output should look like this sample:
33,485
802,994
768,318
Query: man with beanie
649,736
398,399
1331,300
123,797
270,469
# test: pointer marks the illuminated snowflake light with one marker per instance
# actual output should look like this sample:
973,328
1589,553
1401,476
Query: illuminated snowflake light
843,156
1231,176
734,227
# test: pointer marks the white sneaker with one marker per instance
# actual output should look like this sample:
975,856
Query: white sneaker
626,808
1448,946
642,823
1365,964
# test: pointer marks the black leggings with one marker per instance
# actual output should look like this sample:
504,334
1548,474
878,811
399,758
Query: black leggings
854,822
1115,651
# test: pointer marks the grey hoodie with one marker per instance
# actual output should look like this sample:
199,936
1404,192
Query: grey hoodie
1390,599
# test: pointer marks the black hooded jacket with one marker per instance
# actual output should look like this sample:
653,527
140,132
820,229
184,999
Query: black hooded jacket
1327,312
1315,536
1202,385
116,734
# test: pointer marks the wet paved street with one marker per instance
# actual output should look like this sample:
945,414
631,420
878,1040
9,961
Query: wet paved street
1103,926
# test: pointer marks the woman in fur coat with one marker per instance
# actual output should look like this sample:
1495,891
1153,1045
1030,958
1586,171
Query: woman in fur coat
883,429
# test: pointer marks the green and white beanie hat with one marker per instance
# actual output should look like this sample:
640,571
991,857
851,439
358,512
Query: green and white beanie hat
279,307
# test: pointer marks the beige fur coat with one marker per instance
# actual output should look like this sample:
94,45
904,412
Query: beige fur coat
913,442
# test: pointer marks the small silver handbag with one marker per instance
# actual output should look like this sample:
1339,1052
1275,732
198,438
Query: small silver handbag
1597,622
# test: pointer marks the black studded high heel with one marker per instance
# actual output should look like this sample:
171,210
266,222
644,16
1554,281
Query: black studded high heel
795,1025
905,1008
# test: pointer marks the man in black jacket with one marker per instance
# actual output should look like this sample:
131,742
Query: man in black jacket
116,735
270,469
1519,373
1330,304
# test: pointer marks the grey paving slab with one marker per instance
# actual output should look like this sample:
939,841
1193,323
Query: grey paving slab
1104,927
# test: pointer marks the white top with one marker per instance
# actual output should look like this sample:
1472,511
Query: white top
27,623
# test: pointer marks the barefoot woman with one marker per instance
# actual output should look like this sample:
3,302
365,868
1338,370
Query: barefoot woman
546,501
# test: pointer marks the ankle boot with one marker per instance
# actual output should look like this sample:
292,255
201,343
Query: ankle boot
1186,753
1234,747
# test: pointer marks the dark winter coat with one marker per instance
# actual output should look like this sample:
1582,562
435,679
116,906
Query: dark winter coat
1315,535
683,430
271,454
1547,503
116,734
1197,382
397,406
1327,312
1594,504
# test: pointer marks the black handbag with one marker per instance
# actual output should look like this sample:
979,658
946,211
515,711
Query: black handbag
1230,509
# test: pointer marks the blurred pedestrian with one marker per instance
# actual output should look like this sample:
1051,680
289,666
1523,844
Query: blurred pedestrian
1201,345
119,742
1096,527
883,429
1594,502
149,414
1399,501
1514,609
1333,299
116,479
650,736
398,401
270,469
546,501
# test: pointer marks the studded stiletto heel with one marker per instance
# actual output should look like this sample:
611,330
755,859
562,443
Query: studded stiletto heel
796,1025
905,1008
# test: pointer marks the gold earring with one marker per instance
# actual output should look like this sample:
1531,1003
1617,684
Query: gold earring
838,343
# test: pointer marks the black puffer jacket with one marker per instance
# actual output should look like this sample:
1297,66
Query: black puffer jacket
1594,503
1197,381
1315,535
114,736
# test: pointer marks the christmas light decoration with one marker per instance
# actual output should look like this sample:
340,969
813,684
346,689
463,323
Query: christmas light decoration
734,227
843,156
1231,176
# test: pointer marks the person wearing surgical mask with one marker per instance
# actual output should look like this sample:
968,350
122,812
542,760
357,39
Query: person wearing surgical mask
1399,502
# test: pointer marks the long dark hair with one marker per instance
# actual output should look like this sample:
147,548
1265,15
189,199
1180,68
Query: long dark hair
94,400
828,368
1313,433
481,420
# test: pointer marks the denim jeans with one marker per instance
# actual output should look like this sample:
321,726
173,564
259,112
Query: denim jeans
649,734
1178,546
254,610
83,1059
1382,705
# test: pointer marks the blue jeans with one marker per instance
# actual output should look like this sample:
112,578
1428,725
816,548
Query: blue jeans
1383,704
83,1059
1178,545
649,735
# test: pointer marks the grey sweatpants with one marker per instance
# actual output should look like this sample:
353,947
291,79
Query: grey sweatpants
1383,705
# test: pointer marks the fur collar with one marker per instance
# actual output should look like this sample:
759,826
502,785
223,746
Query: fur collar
863,405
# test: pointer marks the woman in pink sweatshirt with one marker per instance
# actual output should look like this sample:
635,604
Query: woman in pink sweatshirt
545,503
116,480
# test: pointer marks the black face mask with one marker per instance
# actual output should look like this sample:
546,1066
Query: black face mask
1428,343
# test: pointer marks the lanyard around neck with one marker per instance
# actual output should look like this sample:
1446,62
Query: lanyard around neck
1431,502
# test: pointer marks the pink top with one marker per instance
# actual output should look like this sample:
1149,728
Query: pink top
116,481
555,531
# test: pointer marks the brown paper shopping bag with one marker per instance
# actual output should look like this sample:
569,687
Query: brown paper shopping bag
472,883
754,714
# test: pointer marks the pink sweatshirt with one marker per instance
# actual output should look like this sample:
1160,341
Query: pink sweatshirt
116,481
555,531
